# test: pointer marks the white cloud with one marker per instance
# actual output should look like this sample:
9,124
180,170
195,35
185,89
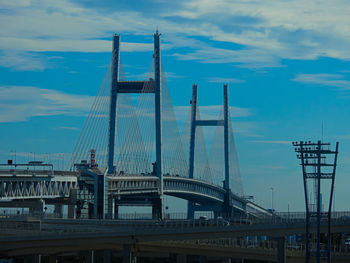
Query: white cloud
67,128
246,128
291,29
252,58
225,80
345,137
334,80
71,45
211,112
172,75
272,142
14,4
19,103
42,156
267,31
25,61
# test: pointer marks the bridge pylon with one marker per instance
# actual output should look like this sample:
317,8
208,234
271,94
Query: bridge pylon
149,86
227,205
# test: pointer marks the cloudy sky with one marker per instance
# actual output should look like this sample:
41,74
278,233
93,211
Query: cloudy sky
286,63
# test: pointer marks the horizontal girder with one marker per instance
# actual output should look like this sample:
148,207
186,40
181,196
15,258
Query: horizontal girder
136,86
209,123
173,185
17,185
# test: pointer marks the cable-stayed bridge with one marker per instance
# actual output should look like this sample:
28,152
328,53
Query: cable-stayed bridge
131,151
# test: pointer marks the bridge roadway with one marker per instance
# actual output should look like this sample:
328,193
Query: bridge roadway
197,191
16,186
27,236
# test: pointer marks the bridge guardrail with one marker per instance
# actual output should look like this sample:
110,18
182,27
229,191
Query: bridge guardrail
279,217
43,227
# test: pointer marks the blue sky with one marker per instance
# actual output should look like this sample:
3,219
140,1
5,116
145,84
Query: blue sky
287,64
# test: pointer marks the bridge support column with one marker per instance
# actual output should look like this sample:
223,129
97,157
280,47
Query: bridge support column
110,207
128,256
216,214
202,259
52,259
107,256
59,210
116,209
71,211
178,258
191,205
99,196
158,120
281,250
72,203
89,256
190,210
37,258
113,102
226,141
157,208
227,208
38,207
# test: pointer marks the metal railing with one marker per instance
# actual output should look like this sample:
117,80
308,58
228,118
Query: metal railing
263,218
40,223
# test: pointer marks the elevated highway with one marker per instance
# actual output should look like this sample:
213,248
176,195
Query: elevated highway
135,189
21,186
57,236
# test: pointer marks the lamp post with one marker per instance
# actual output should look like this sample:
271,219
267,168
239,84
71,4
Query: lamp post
271,197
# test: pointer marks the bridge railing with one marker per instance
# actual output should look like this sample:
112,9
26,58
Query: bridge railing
285,217
201,219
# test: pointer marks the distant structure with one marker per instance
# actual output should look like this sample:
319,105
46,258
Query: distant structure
130,152
226,208
145,152
313,159
150,86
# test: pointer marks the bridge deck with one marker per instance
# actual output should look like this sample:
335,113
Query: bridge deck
21,237
17,184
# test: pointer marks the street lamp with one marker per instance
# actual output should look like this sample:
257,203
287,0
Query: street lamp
271,197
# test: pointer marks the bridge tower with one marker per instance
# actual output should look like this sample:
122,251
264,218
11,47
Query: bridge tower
113,102
153,86
315,167
227,207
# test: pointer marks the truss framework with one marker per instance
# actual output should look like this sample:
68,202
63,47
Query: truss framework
313,156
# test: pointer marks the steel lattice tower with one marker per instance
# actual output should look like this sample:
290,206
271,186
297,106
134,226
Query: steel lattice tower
313,159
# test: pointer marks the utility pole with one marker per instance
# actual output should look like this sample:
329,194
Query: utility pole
316,167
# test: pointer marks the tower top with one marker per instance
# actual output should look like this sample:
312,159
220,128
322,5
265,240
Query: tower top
157,32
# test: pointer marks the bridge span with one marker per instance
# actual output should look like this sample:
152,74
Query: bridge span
36,184
25,188
54,237
197,191
131,154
